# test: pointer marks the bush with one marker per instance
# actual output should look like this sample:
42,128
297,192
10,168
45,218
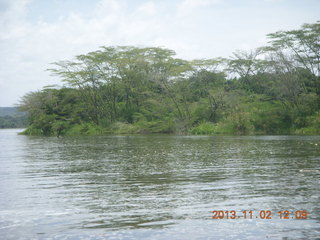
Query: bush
89,129
159,126
204,128
121,128
32,131
313,125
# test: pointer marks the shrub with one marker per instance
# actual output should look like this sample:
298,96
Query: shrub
89,129
204,128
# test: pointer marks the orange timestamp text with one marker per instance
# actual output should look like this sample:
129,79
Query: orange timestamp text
261,214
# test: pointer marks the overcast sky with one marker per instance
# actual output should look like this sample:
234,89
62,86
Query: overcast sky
35,33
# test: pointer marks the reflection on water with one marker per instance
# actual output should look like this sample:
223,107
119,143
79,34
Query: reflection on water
157,187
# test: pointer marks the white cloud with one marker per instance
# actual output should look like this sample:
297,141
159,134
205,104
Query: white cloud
193,28
28,49
148,8
189,6
11,18
109,7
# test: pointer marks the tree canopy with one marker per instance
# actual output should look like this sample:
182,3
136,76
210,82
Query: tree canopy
274,89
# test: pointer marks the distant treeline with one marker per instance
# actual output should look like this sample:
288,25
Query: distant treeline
10,117
274,89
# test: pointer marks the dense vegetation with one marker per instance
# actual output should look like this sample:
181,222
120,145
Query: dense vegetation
10,117
274,89
9,111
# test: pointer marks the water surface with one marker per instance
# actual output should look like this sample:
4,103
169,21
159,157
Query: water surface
157,187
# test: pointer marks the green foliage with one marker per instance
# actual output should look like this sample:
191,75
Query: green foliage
225,127
312,125
89,129
122,128
205,128
118,90
241,123
32,131
160,126
15,121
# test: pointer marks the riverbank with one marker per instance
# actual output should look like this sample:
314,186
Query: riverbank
180,128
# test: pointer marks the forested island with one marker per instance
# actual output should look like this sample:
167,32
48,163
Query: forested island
274,89
10,117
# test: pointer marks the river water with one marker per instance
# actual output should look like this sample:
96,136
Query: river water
158,187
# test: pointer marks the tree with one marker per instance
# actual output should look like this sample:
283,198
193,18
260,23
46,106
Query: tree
303,44
126,89
298,49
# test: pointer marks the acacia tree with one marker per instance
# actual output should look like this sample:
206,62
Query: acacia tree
296,52
243,63
114,81
302,44
150,86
